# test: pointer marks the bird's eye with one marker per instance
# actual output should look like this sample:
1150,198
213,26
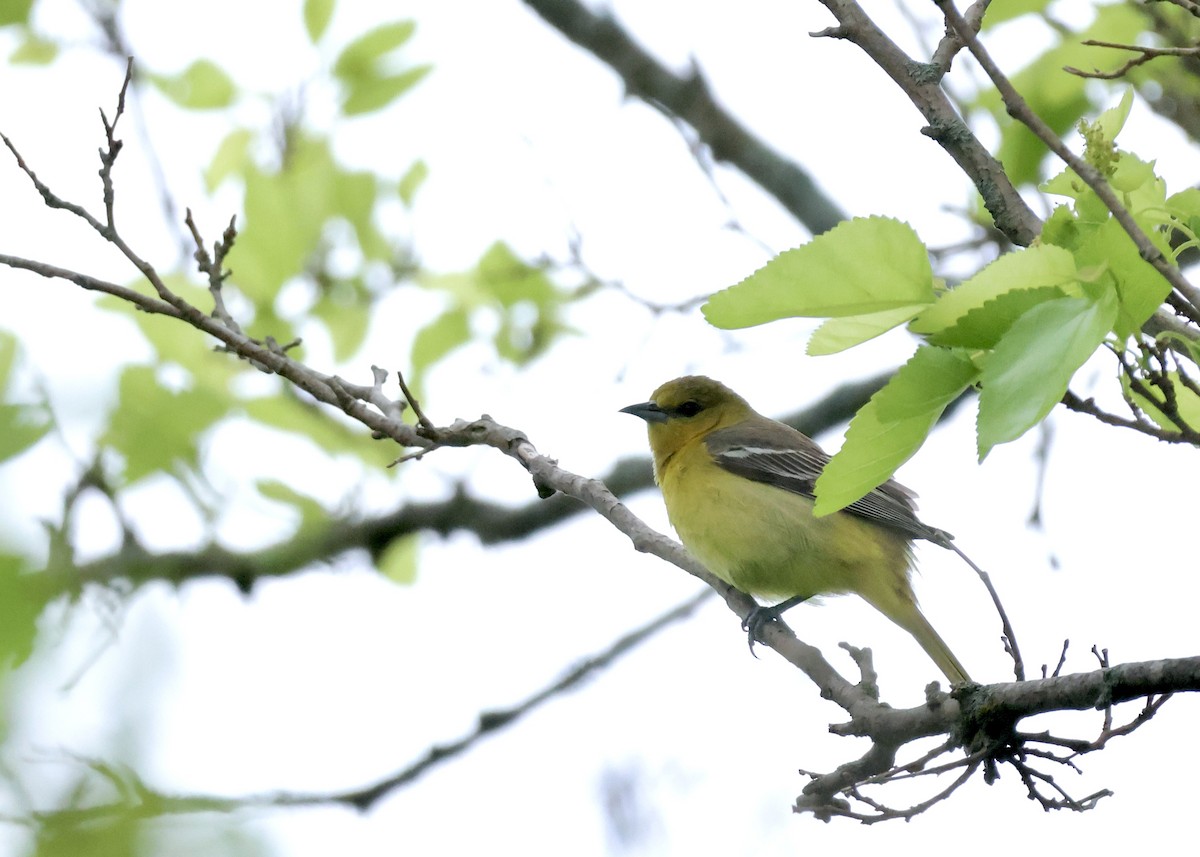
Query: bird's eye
689,408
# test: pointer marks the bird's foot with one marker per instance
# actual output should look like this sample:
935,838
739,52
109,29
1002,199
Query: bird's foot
761,616
756,620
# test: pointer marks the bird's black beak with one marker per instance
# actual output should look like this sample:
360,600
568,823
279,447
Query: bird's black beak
648,411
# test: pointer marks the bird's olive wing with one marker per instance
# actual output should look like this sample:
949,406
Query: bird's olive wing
778,455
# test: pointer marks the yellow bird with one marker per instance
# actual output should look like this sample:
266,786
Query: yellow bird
739,491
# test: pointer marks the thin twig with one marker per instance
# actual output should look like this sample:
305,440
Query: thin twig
1010,636
1019,109
1145,55
422,420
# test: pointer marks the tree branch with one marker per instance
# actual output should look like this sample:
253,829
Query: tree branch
491,523
921,83
1020,110
689,99
982,719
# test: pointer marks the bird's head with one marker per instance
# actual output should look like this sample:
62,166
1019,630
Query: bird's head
686,407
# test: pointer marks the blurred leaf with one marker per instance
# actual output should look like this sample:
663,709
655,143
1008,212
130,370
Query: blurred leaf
355,196
438,338
190,349
891,427
285,213
1131,173
346,321
1027,373
317,14
1187,404
510,279
14,11
398,561
285,412
1062,228
34,50
412,180
1059,98
1186,203
861,266
8,358
1112,120
360,58
231,158
203,85
526,302
22,426
312,513
838,334
1191,346
1001,12
367,94
1033,267
113,834
155,428
19,610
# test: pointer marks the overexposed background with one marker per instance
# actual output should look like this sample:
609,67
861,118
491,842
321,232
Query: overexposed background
334,678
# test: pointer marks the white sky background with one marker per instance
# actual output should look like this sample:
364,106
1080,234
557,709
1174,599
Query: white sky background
333,679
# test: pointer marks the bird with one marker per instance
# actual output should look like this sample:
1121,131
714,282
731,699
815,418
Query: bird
738,488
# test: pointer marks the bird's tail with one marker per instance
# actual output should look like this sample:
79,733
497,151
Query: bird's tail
905,613
917,625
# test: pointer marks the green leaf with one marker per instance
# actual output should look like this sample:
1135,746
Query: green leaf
231,158
327,432
1187,403
20,606
398,561
838,334
1111,121
317,14
1001,12
14,12
1027,373
1192,346
8,358
367,94
1033,267
507,277
360,57
982,327
346,319
1131,173
191,349
861,266
1089,208
22,426
355,196
1139,286
155,428
285,213
1185,204
1060,99
438,338
411,181
1063,229
203,85
891,427
34,50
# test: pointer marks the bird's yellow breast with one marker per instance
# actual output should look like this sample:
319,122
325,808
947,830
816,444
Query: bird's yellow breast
764,539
